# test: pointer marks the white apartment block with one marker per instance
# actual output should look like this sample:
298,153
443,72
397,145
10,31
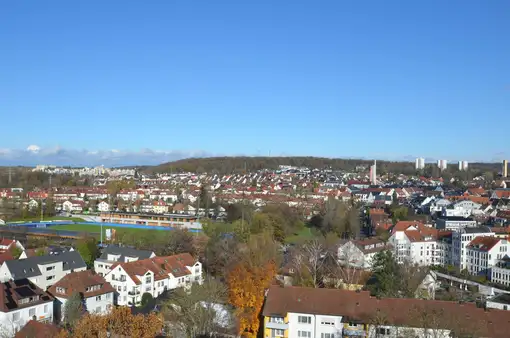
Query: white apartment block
461,239
483,252
21,302
97,294
500,273
153,275
455,223
43,271
113,254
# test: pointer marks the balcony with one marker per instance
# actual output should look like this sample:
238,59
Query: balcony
133,293
277,325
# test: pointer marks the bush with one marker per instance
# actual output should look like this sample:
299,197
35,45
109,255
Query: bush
146,299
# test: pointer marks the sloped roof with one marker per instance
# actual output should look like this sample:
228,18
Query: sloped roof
35,329
484,243
29,267
79,282
124,252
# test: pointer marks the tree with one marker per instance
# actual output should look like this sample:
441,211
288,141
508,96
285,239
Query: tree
88,249
73,310
194,313
384,282
16,252
146,299
118,323
307,263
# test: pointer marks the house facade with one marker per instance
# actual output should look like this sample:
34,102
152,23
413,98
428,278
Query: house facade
113,254
360,253
43,271
97,294
20,302
153,275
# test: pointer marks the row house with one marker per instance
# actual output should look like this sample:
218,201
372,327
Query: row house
96,293
332,313
154,276
37,195
483,252
43,271
20,302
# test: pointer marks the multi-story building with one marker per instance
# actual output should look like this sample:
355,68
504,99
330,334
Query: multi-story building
420,163
460,239
360,253
153,275
500,273
454,223
419,244
483,252
113,254
442,164
96,293
504,169
43,271
332,313
463,165
20,302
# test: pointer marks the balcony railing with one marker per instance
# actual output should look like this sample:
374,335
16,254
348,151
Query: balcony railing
132,293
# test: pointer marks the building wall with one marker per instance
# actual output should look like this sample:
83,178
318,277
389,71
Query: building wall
12,321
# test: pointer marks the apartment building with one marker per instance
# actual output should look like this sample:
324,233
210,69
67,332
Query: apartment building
43,271
500,272
460,239
113,254
420,244
483,252
454,223
97,294
360,253
167,220
20,302
332,313
153,275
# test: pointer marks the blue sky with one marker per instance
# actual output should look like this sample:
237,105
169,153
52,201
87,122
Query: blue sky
384,79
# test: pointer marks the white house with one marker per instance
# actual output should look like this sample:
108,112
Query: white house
73,206
103,206
7,244
455,223
33,205
360,253
113,254
20,302
43,271
460,239
153,275
96,293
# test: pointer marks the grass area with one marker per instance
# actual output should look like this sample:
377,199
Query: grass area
54,218
304,234
97,229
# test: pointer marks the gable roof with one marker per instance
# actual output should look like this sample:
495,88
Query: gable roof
79,282
160,266
35,329
362,308
29,267
124,252
12,291
484,243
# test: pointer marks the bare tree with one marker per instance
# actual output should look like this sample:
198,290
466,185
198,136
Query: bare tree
308,263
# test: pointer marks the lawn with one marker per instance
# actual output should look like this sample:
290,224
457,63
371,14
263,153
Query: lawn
54,218
304,234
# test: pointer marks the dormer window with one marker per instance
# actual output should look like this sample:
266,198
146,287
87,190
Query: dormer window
61,290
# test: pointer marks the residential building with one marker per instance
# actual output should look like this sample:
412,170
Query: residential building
153,275
167,220
160,207
360,253
20,302
504,169
373,173
420,163
500,273
103,206
47,250
331,313
483,252
96,293
455,223
35,329
461,239
442,164
73,206
8,244
113,254
500,302
43,271
463,165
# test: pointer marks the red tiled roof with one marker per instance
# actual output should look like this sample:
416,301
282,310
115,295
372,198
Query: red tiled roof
6,242
160,266
359,307
78,282
484,243
35,329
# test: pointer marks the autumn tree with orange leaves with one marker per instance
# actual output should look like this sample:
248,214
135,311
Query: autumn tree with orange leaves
118,323
249,277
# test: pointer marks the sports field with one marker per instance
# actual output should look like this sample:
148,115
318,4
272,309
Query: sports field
97,229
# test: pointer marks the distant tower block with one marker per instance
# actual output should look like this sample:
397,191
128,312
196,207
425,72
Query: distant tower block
504,170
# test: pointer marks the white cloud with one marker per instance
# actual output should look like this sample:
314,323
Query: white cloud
33,148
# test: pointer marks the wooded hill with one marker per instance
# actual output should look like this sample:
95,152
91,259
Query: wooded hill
226,165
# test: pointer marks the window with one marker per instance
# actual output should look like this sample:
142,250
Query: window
46,308
50,277
305,334
304,320
98,298
148,279
125,288
61,290
327,322
119,288
107,296
278,320
327,335
277,333
49,268
15,316
98,309
31,312
383,331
